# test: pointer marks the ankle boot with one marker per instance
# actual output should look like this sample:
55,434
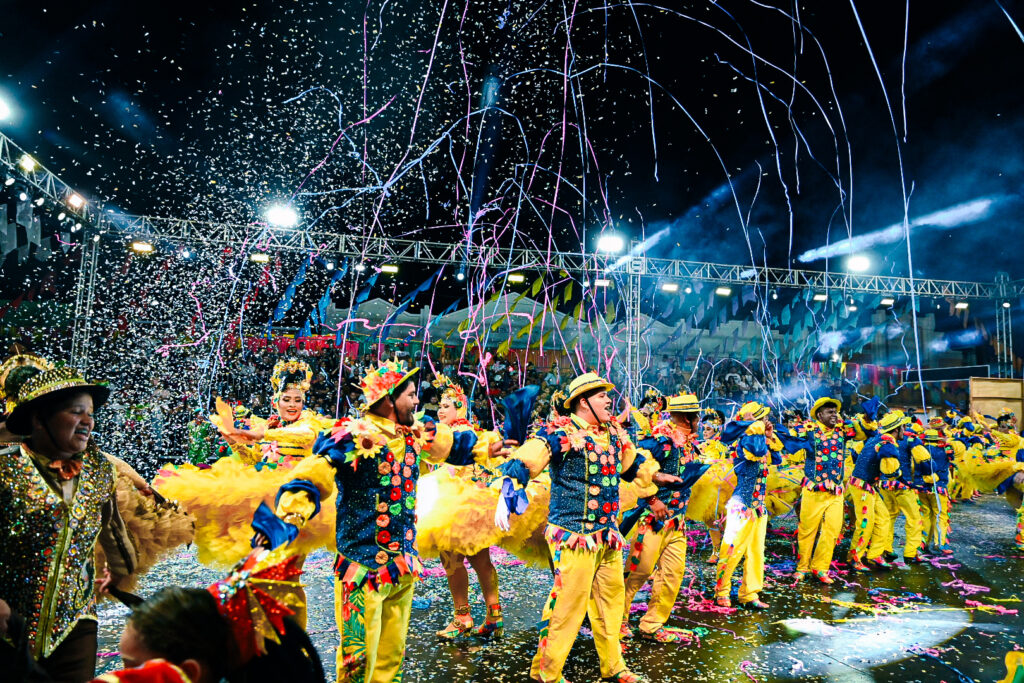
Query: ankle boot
493,625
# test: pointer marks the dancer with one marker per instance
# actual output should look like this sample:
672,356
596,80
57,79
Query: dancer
746,521
877,460
931,481
661,535
588,454
373,465
262,454
711,446
899,496
822,451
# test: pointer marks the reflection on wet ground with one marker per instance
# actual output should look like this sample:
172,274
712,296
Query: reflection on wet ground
919,623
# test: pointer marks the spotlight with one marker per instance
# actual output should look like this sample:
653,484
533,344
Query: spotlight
360,267
141,247
1006,304
687,289
602,282
723,291
852,308
887,301
775,296
39,201
820,296
78,226
8,182
611,243
23,196
858,263
460,276
95,238
61,216
586,284
75,201
27,163
5,109
330,265
388,268
259,257
836,357
960,306
516,277
669,287
282,216
185,253
74,228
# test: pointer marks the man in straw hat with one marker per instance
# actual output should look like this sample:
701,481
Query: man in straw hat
822,450
899,496
876,463
588,453
373,465
661,535
931,481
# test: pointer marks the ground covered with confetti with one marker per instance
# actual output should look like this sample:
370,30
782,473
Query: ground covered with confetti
952,619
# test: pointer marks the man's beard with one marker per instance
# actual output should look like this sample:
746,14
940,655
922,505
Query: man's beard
404,418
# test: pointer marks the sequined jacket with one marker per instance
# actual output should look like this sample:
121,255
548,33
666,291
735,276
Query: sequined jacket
46,542
673,449
373,464
586,464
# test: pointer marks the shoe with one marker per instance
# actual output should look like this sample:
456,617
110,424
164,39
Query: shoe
625,632
824,578
879,563
713,559
859,566
461,624
889,556
493,625
755,604
798,576
626,676
723,602
667,635
916,559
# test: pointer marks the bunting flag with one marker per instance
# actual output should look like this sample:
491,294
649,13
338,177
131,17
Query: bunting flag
285,304
404,305
364,293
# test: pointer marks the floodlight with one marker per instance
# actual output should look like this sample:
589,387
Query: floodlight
8,181
516,277
1006,304
5,109
389,269
960,305
23,196
75,200
61,216
687,289
360,267
610,243
27,163
259,257
669,287
887,301
820,296
852,307
602,282
723,291
775,296
330,265
460,276
282,216
858,263
141,247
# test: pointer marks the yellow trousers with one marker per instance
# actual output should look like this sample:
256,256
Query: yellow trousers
934,511
905,501
821,517
868,541
667,550
373,625
742,539
585,583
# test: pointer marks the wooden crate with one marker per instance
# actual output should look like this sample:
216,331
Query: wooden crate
989,395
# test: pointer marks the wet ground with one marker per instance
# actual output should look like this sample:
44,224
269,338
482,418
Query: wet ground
951,620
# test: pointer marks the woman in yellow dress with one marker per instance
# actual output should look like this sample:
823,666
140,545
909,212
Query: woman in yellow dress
263,451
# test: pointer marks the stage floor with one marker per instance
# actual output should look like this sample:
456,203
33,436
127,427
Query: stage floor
910,624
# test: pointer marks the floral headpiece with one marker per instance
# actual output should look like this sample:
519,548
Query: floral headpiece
452,392
384,379
256,597
290,374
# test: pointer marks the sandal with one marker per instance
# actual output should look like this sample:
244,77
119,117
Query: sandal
625,632
755,604
667,635
627,676
461,624
493,626
824,578
799,576
723,602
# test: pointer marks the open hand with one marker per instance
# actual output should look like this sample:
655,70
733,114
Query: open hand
502,449
661,478
659,510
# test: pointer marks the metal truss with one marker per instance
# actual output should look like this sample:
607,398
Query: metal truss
39,178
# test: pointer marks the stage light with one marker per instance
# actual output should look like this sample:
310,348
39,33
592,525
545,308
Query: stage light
23,196
1006,304
858,263
27,163
95,238
259,257
330,265
8,182
611,243
460,276
5,109
516,277
75,200
141,247
388,268
602,282
836,357
820,296
586,284
723,291
852,308
185,253
887,301
78,226
961,305
39,201
669,287
74,228
775,296
282,216
687,289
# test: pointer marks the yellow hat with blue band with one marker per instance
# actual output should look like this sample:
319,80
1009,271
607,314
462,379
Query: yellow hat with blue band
588,381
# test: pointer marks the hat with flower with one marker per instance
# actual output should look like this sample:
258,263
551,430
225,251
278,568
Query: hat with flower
454,393
13,373
384,379
290,374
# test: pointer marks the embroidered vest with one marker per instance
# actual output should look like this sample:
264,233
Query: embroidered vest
47,571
